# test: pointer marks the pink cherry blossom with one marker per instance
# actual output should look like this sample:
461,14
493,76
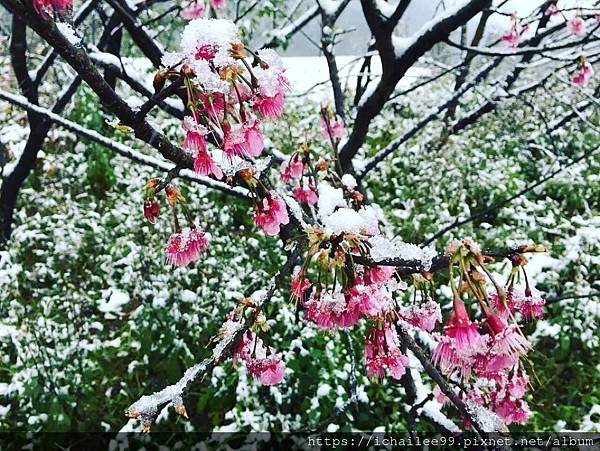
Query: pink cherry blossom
271,213
462,329
576,26
186,246
381,274
552,10
204,165
512,411
192,11
44,7
424,316
512,37
382,351
299,286
293,168
242,140
306,194
269,371
331,310
269,106
527,301
218,3
507,339
583,76
332,128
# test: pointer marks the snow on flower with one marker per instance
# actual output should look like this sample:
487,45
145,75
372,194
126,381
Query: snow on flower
305,193
583,75
382,351
261,361
576,26
185,247
271,213
424,316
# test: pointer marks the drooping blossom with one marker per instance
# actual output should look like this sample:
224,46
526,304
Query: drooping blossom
332,127
306,193
371,299
242,140
525,300
261,361
331,310
583,76
192,11
448,360
45,7
424,316
299,286
513,36
269,371
507,339
186,246
512,411
269,106
382,351
292,168
151,210
576,26
462,329
271,213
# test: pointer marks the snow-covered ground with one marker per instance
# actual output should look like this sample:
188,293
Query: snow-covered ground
309,74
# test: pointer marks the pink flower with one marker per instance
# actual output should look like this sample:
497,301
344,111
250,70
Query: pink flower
292,168
218,3
186,246
261,361
269,371
448,360
205,165
306,193
271,213
552,10
269,106
192,11
576,26
382,351
439,396
332,310
511,411
514,35
584,75
44,7
151,210
332,128
242,141
206,52
527,301
381,274
506,341
424,316
299,286
214,104
463,330
194,134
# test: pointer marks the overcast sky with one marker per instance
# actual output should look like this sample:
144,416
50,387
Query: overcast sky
418,13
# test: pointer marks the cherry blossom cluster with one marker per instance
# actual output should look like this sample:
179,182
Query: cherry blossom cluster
486,356
576,25
228,91
261,360
186,244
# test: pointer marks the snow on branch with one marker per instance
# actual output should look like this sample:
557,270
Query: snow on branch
120,148
147,408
